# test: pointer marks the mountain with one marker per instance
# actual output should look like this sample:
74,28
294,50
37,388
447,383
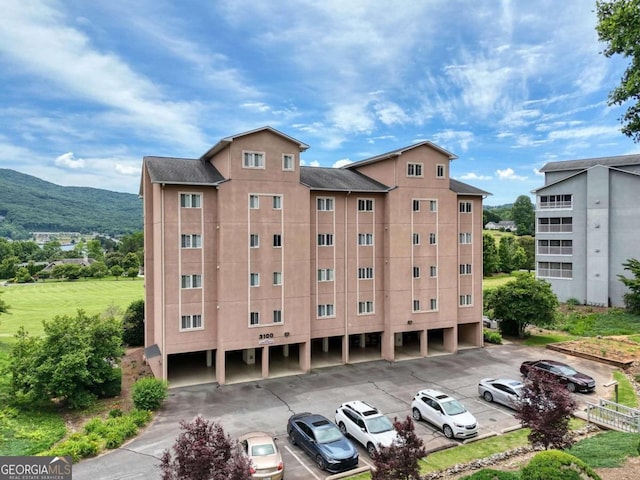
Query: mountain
29,204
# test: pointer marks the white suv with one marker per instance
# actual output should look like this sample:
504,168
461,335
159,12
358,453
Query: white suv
444,412
366,424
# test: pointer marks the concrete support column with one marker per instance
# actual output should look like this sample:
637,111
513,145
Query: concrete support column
386,346
397,339
209,358
363,340
345,349
305,356
424,346
265,362
220,366
285,350
450,339
325,344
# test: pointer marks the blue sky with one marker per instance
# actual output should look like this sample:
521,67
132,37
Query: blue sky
89,88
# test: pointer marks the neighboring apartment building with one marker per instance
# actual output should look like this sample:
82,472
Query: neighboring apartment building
587,224
253,259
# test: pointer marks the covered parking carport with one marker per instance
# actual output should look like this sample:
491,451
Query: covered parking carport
191,368
326,351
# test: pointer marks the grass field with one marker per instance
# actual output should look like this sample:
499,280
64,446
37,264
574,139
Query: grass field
494,281
30,304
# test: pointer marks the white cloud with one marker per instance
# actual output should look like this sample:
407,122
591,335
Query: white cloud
312,163
508,174
586,132
390,113
474,176
341,163
538,172
453,137
68,160
259,106
127,169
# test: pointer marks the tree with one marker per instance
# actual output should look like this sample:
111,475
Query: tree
133,324
546,407
8,266
23,275
523,214
528,245
522,302
94,250
508,255
490,261
130,261
632,298
117,271
4,308
97,269
72,362
203,451
619,28
400,459
52,250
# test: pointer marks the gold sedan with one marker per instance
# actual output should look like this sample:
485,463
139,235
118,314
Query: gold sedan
266,461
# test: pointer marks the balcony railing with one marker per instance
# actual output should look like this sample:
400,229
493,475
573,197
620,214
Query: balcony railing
555,250
567,228
558,204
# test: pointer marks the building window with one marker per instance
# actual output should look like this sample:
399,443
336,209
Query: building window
440,171
416,239
465,269
433,205
416,305
191,241
254,318
190,200
254,279
277,316
433,271
416,205
254,240
555,247
465,300
287,162
555,270
325,310
365,239
277,240
191,322
277,202
253,160
325,204
325,274
555,225
433,304
465,238
555,201
466,207
416,272
432,239
365,307
365,205
277,278
414,169
325,239
365,273
254,201
191,281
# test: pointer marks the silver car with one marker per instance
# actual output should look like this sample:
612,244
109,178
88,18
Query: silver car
501,390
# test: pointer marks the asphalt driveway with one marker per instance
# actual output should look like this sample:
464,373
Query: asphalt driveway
267,404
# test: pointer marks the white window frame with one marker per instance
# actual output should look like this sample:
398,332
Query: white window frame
190,240
254,318
277,240
466,300
433,238
415,239
416,206
190,200
465,238
415,307
433,271
365,204
191,322
277,202
433,205
365,307
365,273
254,279
324,204
254,202
325,239
325,274
287,157
465,207
277,278
433,304
415,169
440,170
326,310
416,272
365,239
465,269
191,281
251,159
277,316
254,240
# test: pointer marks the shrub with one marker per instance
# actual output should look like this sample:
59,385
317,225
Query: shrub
95,425
77,446
492,337
133,324
573,302
557,465
112,385
140,417
115,413
490,474
149,393
118,430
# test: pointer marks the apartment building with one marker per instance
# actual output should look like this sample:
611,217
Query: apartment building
586,223
256,264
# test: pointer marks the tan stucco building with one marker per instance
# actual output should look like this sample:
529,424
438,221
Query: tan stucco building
254,263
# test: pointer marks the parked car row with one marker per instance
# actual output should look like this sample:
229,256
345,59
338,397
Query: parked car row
327,442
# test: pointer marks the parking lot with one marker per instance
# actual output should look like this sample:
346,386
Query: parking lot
266,405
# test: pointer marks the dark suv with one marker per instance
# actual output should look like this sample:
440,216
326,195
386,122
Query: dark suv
574,380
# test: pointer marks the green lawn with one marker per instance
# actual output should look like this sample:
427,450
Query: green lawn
497,280
30,304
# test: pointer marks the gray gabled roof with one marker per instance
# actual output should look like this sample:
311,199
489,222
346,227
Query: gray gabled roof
465,189
182,171
227,140
617,161
397,153
324,178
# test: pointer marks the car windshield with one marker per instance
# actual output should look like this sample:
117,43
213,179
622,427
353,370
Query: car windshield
379,424
261,450
327,434
566,370
453,407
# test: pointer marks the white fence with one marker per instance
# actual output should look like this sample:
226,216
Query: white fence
614,416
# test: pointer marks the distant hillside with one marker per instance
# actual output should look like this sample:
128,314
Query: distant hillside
29,204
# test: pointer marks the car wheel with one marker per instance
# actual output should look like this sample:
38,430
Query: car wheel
320,462
342,428
292,438
488,397
416,415
371,450
571,387
448,432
